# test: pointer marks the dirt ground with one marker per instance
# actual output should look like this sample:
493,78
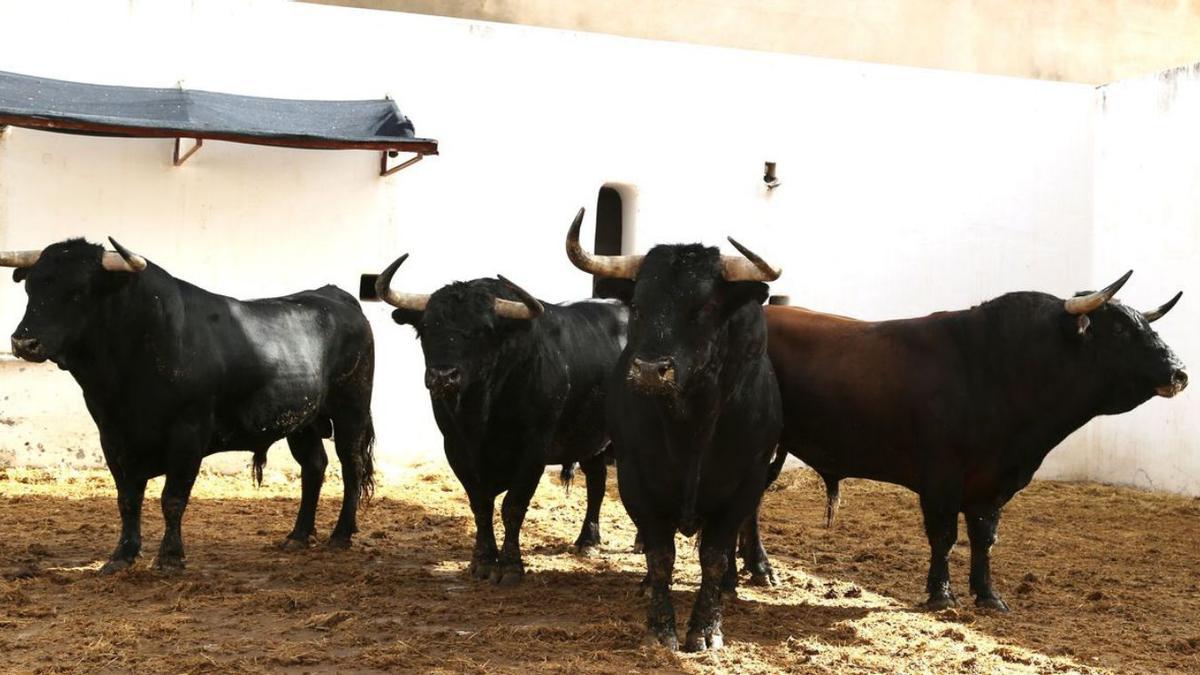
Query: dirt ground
1099,579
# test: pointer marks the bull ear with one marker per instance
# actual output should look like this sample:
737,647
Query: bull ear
411,317
737,293
20,273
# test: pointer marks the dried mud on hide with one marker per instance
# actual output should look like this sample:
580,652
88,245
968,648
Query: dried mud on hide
1099,579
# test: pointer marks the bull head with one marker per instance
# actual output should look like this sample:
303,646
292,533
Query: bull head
64,284
528,307
122,260
751,267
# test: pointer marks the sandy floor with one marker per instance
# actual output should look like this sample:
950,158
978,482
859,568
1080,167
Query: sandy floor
1098,577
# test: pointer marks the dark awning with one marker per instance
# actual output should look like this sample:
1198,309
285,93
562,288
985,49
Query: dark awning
139,112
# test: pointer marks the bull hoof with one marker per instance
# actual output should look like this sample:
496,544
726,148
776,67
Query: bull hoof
699,641
940,602
481,569
291,544
767,579
115,565
338,543
586,550
169,565
508,575
666,639
994,603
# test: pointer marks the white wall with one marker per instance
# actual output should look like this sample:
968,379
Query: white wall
1147,217
904,190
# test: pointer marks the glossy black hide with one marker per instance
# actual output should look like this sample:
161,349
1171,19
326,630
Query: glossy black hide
511,396
696,430
172,373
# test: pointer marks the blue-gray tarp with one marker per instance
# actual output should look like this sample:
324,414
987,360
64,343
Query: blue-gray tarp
76,107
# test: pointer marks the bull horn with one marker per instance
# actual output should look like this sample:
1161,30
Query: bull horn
1086,304
612,266
748,268
123,260
1156,314
19,258
383,288
527,308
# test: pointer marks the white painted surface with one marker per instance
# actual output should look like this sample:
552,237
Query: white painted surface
904,190
1147,215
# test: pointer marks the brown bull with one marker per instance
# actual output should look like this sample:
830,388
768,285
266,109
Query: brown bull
961,407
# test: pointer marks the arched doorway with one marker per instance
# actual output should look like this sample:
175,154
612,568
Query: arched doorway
613,205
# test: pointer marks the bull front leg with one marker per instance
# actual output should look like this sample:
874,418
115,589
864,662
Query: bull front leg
483,557
659,542
716,550
510,568
595,471
941,527
130,495
183,455
981,529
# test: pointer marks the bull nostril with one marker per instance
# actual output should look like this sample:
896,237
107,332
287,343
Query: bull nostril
1180,378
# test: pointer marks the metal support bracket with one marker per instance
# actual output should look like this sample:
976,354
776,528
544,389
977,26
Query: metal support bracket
180,159
383,162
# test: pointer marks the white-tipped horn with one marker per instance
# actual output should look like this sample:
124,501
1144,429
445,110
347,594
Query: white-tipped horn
383,288
1085,304
1156,314
19,258
612,266
528,308
123,260
749,268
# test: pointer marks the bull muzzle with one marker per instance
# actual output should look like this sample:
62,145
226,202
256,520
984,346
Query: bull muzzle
443,382
29,348
1179,381
656,376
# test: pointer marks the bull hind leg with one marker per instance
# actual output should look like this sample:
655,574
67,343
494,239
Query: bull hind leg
130,495
309,453
981,529
354,441
941,527
595,473
754,554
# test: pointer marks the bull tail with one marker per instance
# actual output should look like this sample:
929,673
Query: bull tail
366,461
567,476
832,498
260,462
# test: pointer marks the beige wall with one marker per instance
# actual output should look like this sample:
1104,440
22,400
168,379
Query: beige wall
1092,41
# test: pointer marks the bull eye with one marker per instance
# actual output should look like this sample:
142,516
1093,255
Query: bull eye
1118,329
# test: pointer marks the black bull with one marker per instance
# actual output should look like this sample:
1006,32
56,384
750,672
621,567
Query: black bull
515,385
171,373
961,407
694,412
